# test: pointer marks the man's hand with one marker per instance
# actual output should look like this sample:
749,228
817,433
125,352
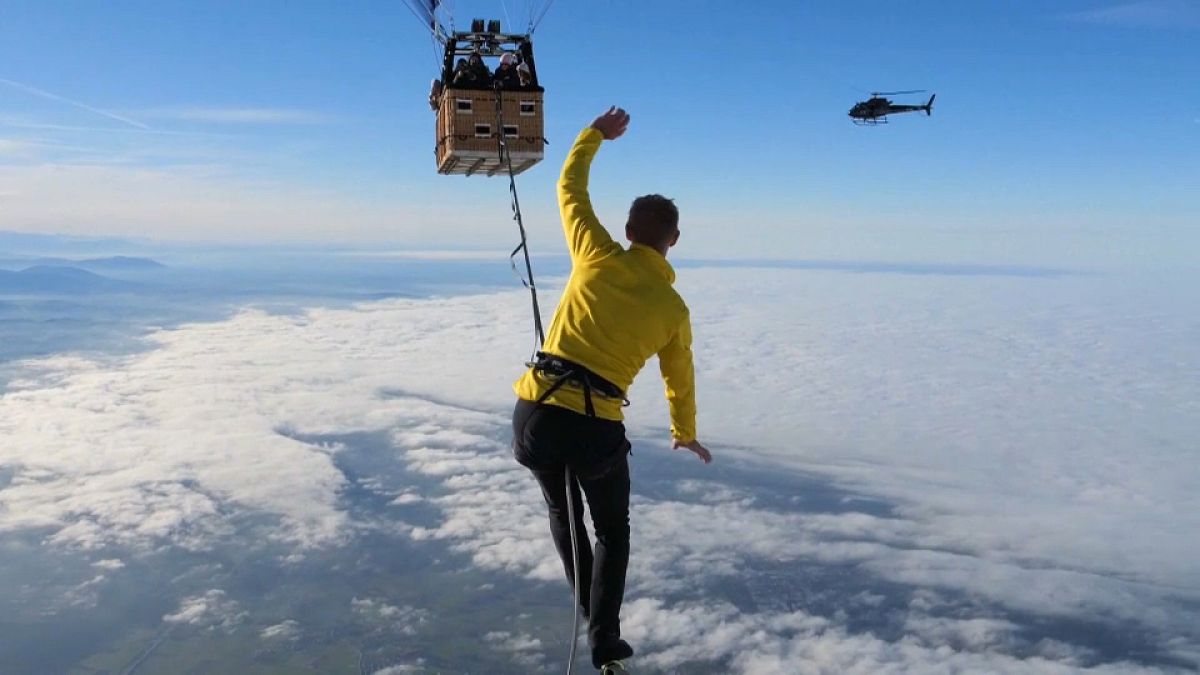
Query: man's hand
701,451
612,123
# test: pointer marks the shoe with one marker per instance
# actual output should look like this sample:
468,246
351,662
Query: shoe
607,652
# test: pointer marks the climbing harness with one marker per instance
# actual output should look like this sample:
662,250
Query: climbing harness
562,371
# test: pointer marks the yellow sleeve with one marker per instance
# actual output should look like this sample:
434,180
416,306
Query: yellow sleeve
675,363
586,237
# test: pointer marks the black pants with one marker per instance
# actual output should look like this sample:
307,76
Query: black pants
546,440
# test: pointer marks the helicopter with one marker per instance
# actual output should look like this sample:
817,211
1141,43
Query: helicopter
876,109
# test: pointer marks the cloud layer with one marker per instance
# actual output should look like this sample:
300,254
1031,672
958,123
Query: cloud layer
1146,14
1027,433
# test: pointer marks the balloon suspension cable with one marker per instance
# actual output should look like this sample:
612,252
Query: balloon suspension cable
507,18
535,22
506,159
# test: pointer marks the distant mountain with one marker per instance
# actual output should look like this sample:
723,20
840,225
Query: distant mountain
58,279
123,262
118,263
114,263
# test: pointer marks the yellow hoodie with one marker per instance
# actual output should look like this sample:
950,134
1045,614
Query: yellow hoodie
617,310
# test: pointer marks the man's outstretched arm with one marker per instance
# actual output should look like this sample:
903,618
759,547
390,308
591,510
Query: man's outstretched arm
678,372
586,237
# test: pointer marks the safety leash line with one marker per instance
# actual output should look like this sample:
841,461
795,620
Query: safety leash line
506,159
569,479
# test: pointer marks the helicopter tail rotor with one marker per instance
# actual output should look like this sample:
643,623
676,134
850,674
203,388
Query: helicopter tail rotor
928,107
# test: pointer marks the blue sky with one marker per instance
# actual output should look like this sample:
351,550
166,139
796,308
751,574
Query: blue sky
1063,132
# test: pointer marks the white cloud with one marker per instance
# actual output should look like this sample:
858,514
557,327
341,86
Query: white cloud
237,115
403,669
796,643
678,545
86,593
1028,435
198,202
1000,412
287,630
482,256
41,93
713,492
402,620
14,148
27,122
522,648
150,451
1146,14
212,610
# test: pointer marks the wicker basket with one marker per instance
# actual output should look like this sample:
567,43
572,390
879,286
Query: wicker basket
468,140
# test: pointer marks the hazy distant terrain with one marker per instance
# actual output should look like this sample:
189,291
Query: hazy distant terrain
47,299
298,463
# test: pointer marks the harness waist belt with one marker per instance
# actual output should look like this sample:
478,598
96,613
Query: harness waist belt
565,370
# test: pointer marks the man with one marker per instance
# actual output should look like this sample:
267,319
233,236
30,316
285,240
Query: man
506,73
480,76
461,76
617,310
472,74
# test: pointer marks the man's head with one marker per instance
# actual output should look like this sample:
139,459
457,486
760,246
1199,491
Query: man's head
654,222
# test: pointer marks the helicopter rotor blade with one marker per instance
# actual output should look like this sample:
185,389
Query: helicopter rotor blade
892,93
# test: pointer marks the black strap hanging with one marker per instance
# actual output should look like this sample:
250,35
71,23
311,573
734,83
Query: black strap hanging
527,280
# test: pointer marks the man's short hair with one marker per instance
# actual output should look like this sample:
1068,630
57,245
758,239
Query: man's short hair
653,220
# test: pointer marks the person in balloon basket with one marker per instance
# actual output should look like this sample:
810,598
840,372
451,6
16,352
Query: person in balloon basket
473,74
506,76
618,309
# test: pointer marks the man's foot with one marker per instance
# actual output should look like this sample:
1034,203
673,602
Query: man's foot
613,668
606,653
